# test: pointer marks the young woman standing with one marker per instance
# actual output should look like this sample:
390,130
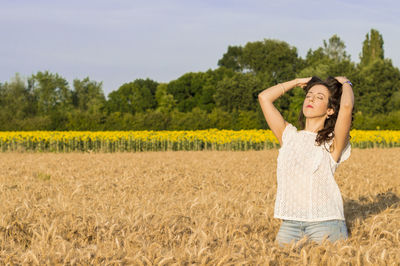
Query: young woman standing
308,199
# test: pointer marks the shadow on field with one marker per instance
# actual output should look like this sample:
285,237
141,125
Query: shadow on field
367,206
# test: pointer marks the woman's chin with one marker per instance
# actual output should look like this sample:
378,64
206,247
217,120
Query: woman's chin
307,113
310,115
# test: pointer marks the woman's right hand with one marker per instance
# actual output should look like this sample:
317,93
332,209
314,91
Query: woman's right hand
302,82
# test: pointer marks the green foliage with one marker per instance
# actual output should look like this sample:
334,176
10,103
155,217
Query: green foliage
88,101
291,114
193,120
329,60
206,100
197,89
335,49
394,102
133,97
120,121
231,58
16,103
275,58
389,120
376,83
52,93
88,95
372,48
186,90
238,92
85,120
247,120
151,120
223,98
165,101
220,119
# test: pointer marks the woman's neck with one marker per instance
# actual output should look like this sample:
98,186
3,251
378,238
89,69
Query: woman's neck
314,124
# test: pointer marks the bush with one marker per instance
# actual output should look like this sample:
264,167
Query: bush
389,121
219,119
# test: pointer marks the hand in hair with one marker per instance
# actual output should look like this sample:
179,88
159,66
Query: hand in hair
342,79
302,82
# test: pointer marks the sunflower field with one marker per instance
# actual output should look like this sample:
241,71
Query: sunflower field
135,141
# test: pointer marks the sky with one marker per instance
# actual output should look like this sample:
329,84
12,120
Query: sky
118,41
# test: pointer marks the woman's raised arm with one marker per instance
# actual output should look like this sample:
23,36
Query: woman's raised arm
343,122
266,98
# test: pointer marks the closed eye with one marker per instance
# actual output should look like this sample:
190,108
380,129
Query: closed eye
319,97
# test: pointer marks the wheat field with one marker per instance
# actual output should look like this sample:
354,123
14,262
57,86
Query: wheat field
183,208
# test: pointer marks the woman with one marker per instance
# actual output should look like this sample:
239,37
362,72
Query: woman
308,199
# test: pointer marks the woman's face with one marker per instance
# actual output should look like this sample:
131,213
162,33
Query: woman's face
316,102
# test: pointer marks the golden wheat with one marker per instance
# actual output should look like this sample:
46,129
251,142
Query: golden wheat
185,207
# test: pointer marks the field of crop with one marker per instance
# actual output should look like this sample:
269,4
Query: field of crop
183,207
190,140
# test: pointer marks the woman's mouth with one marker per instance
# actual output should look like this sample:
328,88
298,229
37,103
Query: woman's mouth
309,106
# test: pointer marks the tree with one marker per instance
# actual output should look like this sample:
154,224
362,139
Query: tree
53,98
219,119
51,92
335,49
89,101
291,114
376,84
14,98
196,119
165,101
232,58
239,92
205,100
372,48
329,60
16,104
187,90
277,58
88,95
133,97
247,120
394,102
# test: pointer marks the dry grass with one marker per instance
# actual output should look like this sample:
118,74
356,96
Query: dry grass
204,207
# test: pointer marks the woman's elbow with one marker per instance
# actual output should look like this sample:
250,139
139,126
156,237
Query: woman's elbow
263,97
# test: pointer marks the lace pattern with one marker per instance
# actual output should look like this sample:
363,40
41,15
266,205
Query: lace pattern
305,175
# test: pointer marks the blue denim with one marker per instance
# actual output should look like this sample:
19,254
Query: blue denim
316,231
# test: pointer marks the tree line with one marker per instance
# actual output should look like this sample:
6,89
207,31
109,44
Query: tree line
223,98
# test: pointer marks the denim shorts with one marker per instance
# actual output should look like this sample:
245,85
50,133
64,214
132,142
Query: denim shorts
315,231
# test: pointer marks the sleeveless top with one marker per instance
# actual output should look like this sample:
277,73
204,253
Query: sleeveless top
307,190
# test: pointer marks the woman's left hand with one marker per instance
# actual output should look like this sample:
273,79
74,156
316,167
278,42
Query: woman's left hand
342,79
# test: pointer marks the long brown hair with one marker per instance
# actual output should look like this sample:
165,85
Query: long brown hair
335,93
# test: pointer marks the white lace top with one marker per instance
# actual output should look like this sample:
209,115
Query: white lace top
307,190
